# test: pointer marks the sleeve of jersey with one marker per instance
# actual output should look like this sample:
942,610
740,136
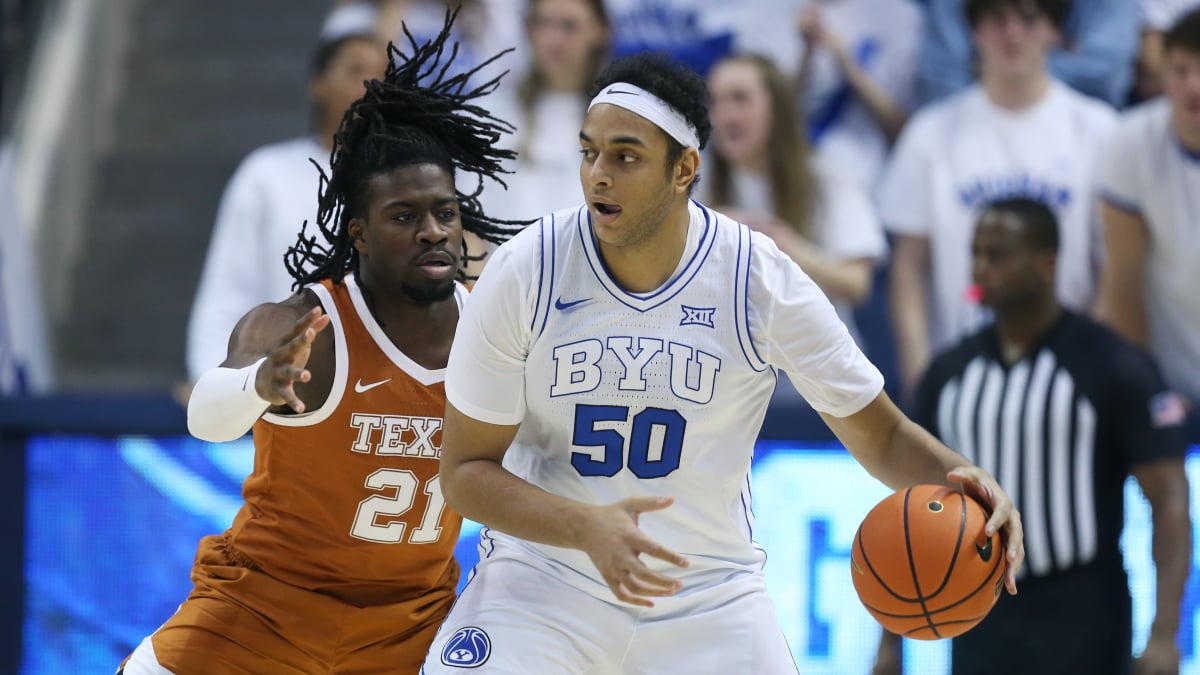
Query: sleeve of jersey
1116,181
485,378
795,329
1151,415
904,189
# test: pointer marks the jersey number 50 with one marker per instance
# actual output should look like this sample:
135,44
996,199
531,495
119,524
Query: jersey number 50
648,456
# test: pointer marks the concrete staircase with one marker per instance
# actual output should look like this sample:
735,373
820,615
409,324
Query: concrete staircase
204,83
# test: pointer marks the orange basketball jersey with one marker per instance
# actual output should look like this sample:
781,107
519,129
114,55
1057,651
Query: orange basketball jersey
345,499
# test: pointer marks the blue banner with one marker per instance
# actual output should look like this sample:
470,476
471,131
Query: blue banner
113,523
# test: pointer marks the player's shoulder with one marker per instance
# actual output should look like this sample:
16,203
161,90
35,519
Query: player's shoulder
725,224
543,237
730,235
558,228
264,323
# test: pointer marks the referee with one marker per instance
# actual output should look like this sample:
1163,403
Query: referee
1060,410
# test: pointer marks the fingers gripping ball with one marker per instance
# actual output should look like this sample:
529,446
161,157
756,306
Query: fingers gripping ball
923,565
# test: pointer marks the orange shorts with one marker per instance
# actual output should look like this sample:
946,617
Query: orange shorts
240,620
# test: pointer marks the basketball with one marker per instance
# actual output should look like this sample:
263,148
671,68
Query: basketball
923,565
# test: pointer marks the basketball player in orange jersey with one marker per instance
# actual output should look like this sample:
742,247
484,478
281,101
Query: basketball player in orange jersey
341,559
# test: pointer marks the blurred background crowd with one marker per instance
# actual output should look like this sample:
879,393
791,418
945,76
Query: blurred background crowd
157,158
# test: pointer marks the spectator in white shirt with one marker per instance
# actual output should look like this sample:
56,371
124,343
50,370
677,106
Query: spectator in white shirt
858,79
1150,191
1017,133
762,174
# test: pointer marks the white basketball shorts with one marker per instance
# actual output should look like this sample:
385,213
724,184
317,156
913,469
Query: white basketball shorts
514,618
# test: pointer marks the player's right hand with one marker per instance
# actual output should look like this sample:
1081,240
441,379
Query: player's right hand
285,364
614,543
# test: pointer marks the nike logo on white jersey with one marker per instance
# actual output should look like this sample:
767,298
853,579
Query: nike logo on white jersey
567,306
362,388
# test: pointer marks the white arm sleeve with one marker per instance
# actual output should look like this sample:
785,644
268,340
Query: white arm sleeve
485,378
232,272
796,329
225,403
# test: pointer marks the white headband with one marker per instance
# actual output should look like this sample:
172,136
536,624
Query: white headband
647,105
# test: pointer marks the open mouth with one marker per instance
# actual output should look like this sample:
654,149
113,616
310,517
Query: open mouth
607,209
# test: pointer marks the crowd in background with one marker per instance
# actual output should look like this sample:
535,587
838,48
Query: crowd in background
867,139
840,126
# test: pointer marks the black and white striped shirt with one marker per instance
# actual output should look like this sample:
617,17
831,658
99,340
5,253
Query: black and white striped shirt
1060,429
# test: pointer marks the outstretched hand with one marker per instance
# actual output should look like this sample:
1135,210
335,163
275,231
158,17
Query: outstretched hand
285,365
1004,516
614,543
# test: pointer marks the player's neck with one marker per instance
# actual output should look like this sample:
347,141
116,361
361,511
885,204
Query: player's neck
648,264
1015,92
422,330
1019,328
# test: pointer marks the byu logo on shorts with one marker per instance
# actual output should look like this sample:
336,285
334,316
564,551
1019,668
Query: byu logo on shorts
469,647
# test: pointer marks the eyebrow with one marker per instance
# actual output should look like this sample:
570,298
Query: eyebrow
405,202
619,140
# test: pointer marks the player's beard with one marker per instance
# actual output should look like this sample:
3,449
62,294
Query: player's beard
428,294
649,223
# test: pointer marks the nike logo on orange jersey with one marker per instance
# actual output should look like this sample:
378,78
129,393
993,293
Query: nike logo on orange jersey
360,388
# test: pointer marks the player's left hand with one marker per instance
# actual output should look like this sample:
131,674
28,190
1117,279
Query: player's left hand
1004,516
1161,657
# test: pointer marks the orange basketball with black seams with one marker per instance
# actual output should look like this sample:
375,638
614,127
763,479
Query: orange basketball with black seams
923,564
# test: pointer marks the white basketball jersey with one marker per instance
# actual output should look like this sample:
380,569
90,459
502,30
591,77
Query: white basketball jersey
624,394
958,155
1145,170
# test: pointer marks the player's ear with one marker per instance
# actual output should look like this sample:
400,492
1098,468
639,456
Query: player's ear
355,229
686,169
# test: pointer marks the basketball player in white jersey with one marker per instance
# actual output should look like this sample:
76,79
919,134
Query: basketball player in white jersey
608,380
1150,189
1017,133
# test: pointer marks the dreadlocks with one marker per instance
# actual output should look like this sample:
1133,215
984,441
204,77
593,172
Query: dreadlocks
415,115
